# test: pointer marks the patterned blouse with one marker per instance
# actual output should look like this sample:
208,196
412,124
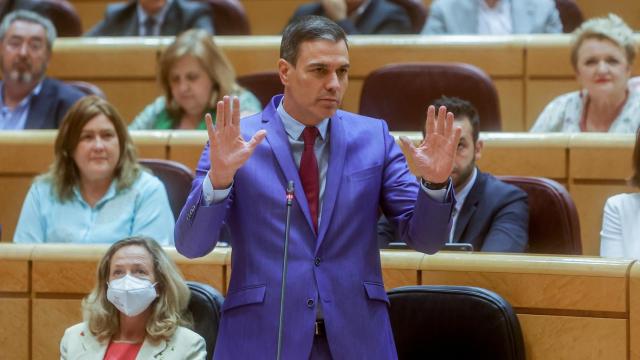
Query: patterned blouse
565,112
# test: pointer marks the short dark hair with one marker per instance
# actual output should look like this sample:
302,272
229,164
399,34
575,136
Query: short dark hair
308,28
634,180
461,108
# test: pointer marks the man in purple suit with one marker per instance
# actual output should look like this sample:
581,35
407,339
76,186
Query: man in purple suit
345,167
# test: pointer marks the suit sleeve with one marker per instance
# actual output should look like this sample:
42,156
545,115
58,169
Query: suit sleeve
64,346
198,227
422,222
435,23
611,243
553,24
509,231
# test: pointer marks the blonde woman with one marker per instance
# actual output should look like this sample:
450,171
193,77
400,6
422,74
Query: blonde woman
194,75
602,57
136,309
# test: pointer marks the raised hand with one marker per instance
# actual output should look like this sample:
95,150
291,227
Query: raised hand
228,151
433,158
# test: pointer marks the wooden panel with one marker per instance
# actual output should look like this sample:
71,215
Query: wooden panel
35,145
525,154
212,275
90,11
50,319
627,9
601,157
14,275
14,332
540,92
269,17
186,147
69,277
351,99
634,310
568,338
151,144
13,190
589,200
511,95
400,268
129,96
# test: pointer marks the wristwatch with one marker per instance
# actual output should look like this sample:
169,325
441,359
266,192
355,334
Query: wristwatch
434,186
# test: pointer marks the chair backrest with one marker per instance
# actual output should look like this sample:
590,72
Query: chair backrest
264,85
570,15
87,88
554,227
205,305
229,17
61,13
417,13
401,93
454,322
176,178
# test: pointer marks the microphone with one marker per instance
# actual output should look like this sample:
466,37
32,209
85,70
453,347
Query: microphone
290,196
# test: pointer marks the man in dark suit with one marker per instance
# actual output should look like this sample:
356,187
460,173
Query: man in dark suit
153,18
28,99
489,214
361,16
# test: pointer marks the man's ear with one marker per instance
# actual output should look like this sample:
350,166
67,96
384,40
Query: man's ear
479,146
283,71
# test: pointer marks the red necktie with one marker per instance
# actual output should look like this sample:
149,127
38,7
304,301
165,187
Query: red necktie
309,172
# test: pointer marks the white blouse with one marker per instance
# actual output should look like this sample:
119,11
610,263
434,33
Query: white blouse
620,234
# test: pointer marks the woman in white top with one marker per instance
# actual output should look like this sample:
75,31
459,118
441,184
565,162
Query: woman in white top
602,57
620,234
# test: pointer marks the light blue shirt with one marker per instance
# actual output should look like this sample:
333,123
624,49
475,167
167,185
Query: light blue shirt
142,209
16,118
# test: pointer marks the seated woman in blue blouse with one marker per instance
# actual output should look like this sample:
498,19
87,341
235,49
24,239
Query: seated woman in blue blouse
95,191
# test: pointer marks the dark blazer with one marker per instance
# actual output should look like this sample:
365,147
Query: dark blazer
121,19
494,217
48,108
380,17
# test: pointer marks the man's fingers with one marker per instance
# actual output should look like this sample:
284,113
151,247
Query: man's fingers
430,126
442,114
448,125
227,110
407,146
257,139
208,120
235,118
220,115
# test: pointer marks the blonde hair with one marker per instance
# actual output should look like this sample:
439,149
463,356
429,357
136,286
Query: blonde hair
64,173
611,28
169,309
199,44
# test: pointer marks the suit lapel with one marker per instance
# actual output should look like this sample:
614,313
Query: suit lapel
278,140
150,350
170,24
468,209
337,153
92,348
39,111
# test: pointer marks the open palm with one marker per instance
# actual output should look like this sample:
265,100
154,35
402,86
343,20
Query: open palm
433,158
228,151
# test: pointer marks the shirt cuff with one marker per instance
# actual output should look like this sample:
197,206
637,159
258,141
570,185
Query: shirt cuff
438,195
211,195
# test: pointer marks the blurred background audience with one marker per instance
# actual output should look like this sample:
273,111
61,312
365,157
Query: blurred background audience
194,75
620,234
95,191
28,98
492,17
137,309
602,56
153,18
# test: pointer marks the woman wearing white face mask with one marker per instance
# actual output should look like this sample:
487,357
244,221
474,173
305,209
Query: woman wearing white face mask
136,310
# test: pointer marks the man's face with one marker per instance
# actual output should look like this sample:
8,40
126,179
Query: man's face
24,53
151,7
315,85
466,155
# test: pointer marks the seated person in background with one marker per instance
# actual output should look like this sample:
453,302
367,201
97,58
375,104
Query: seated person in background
489,214
137,309
95,190
371,17
620,234
492,17
602,57
195,75
29,99
153,18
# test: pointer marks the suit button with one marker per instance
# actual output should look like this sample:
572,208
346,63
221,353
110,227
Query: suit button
317,261
310,303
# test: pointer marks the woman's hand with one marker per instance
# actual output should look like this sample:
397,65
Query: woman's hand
433,158
228,151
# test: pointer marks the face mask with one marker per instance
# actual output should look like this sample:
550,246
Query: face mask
131,295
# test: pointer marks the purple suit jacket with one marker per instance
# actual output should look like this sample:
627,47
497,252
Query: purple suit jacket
340,266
